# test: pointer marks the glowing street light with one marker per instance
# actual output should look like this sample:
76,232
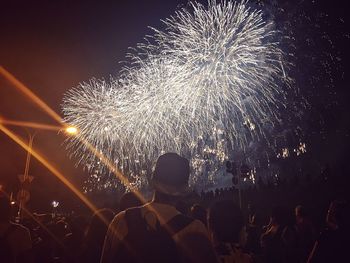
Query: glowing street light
25,179
71,130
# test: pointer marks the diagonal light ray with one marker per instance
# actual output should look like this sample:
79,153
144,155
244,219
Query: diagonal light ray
28,124
66,182
49,166
39,102
34,98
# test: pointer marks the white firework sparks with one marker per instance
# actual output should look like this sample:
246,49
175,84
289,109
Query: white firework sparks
206,85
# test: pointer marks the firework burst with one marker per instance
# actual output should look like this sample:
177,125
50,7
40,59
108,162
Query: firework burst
210,83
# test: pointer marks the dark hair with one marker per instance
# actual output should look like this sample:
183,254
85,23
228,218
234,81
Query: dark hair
226,221
171,173
199,212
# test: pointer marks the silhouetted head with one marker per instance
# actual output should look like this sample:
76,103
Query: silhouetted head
256,219
78,224
60,229
5,209
199,212
99,224
338,214
225,221
279,216
171,174
129,200
300,211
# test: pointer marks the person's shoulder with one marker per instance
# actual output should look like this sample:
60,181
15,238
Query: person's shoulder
119,216
118,219
197,227
198,224
118,227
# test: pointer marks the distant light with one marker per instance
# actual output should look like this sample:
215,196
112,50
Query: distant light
301,149
285,153
55,204
13,202
71,130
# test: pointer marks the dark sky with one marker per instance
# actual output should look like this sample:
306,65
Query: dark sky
52,46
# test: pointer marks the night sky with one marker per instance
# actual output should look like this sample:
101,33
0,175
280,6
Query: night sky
52,46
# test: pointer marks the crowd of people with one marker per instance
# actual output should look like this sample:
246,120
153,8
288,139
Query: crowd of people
171,227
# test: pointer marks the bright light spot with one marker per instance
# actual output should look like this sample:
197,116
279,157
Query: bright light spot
55,204
300,149
285,153
71,130
249,124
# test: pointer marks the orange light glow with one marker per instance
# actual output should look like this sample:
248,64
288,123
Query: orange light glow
27,124
51,168
26,91
71,130
35,99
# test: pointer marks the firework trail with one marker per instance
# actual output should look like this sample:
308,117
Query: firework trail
210,83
